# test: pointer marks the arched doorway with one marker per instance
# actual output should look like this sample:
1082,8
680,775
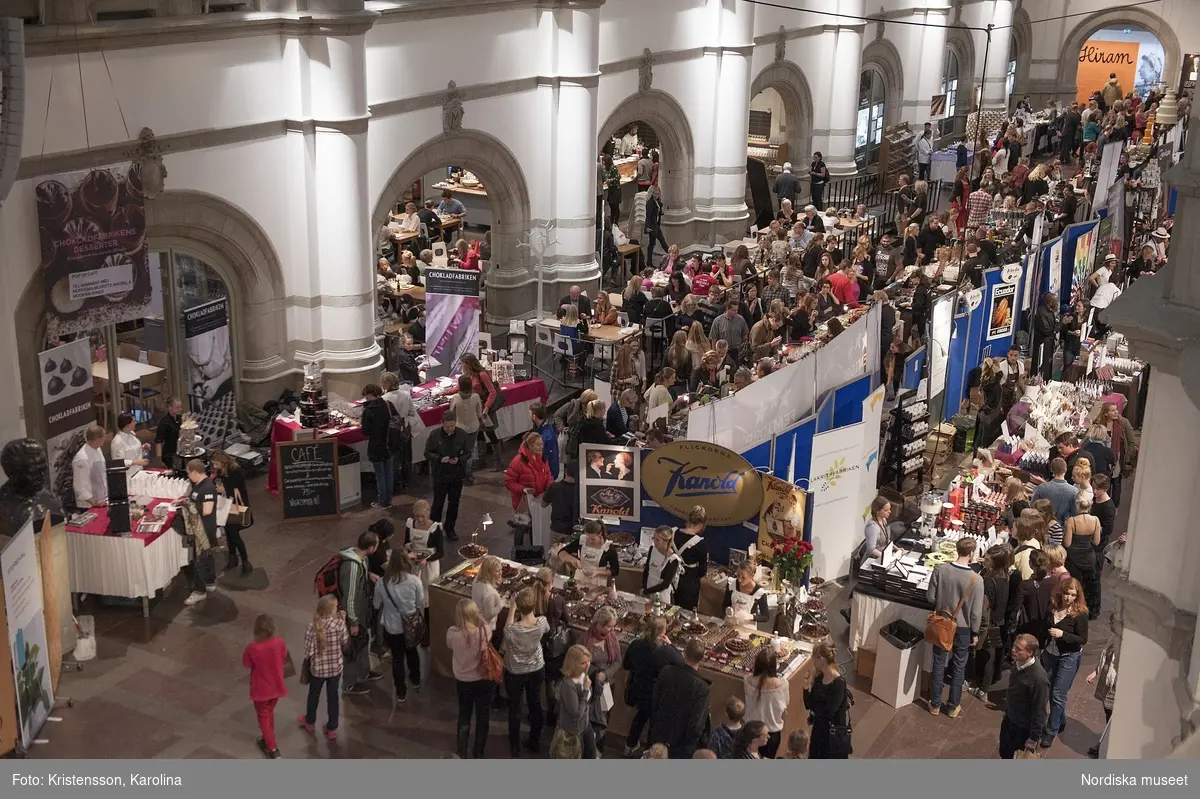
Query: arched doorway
659,114
1020,49
783,89
1132,18
872,108
211,251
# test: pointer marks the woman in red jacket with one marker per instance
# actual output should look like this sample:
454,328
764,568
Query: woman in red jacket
528,470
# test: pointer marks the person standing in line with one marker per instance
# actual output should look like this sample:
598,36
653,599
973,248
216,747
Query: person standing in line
644,660
1081,539
828,701
446,450
818,177
524,669
264,656
401,402
767,697
1104,509
466,640
574,698
1068,632
489,394
680,705
956,589
693,552
1028,695
996,582
751,742
323,642
925,152
1058,491
354,580
722,738
787,185
204,500
231,483
399,597
376,414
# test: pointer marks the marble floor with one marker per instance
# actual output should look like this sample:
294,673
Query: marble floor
172,685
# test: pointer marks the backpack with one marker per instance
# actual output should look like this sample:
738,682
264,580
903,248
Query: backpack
397,431
328,580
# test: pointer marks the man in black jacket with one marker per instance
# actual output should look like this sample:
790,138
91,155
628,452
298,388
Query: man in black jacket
680,707
447,451
1045,332
376,415
577,298
1028,697
787,185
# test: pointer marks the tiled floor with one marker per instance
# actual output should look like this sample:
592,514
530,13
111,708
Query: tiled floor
172,685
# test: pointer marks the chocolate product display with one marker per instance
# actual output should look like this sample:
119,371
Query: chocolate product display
56,386
568,592
189,436
79,377
621,539
813,632
472,551
738,646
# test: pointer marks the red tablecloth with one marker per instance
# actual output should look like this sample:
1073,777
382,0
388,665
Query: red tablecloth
99,525
282,430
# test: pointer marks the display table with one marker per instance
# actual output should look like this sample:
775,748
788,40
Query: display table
444,597
511,419
871,609
134,567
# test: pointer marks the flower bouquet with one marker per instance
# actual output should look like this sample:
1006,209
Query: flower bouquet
792,556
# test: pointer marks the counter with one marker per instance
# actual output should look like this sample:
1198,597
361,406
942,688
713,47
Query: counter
726,679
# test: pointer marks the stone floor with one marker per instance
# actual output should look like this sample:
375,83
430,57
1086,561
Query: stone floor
172,685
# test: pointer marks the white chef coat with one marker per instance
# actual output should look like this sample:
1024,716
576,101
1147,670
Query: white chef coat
88,472
658,564
126,447
1104,296
742,605
590,558
430,571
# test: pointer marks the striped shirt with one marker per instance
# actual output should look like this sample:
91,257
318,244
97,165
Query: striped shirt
523,646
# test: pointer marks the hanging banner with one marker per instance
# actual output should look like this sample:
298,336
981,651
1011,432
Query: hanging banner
1098,60
684,474
1000,310
1056,257
610,482
452,318
93,234
1085,255
868,483
782,513
1110,159
834,481
66,404
27,633
210,361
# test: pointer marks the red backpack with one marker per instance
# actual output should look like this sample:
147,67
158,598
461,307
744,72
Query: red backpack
327,580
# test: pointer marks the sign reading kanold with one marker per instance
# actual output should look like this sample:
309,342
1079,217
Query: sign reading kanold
94,262
609,483
684,474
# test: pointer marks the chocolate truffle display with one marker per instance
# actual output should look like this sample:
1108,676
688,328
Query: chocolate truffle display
314,406
189,437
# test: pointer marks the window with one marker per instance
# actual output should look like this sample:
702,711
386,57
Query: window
950,83
871,107
1010,82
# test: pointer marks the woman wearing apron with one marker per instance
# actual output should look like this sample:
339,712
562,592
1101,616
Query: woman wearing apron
745,600
662,567
593,557
422,532
693,551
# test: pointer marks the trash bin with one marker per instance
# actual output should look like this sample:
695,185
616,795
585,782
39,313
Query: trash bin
85,644
898,663
349,478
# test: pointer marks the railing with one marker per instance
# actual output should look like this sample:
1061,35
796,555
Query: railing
850,191
891,204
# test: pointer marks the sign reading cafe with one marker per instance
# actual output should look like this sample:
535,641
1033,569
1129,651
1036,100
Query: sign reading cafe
684,474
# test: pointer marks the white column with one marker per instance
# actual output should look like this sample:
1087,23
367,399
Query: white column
995,71
732,91
842,81
927,52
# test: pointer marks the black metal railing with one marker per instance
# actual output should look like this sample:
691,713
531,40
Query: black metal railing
847,192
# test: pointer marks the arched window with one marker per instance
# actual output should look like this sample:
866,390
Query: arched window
950,89
869,131
1010,82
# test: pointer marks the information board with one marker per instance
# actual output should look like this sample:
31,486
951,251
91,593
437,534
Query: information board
308,478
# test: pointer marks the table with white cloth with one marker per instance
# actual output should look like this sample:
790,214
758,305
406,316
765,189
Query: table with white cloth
943,167
135,566
128,370
871,609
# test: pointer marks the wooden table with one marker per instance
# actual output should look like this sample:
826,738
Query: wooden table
416,292
128,370
458,188
628,251
596,333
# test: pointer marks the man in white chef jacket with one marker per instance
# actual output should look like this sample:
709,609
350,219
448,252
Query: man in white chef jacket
88,470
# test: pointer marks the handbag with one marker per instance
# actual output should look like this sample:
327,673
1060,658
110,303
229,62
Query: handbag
606,698
498,402
491,665
841,735
240,514
941,625
414,623
305,671
289,666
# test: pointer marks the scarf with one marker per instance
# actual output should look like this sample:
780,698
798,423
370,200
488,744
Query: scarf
593,638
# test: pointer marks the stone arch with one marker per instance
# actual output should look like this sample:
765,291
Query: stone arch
882,56
788,79
678,161
1022,38
1125,16
229,240
500,172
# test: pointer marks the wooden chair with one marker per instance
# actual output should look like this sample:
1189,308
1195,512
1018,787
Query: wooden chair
131,351
100,399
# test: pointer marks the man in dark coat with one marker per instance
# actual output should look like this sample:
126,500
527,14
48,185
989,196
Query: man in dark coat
679,711
447,451
1045,331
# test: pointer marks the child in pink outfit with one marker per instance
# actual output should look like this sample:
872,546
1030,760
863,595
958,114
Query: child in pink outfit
265,656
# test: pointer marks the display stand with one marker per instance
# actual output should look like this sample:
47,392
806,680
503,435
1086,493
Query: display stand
907,439
897,153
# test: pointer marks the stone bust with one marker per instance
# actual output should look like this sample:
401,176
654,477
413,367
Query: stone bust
24,495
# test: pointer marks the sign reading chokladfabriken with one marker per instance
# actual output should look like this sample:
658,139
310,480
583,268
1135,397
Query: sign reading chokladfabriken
684,474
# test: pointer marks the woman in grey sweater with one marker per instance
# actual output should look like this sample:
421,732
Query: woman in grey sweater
574,695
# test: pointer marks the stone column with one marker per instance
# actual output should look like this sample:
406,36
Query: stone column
842,85
995,71
927,52
1158,684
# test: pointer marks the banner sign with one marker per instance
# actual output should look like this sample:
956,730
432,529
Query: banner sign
66,403
1098,60
1085,255
210,361
835,484
782,513
452,318
94,263
23,605
684,474
1056,256
610,482
1000,310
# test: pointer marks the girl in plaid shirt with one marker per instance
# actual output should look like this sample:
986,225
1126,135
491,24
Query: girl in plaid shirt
324,641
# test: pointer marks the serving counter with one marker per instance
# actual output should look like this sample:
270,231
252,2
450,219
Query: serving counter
723,669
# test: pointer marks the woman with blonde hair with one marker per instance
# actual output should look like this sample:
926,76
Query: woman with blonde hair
1081,477
601,643
1081,540
1053,530
231,482
603,311
697,343
1025,531
908,246
593,430
324,641
466,641
421,532
678,356
397,600
624,371
1016,499
484,591
524,669
633,300
574,695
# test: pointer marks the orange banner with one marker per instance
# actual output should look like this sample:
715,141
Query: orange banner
1098,60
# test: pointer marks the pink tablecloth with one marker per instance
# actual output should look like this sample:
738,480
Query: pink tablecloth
282,430
99,525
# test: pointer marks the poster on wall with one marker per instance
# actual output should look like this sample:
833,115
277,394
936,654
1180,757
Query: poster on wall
1055,268
835,486
66,406
1189,73
92,227
684,474
1085,254
610,482
452,318
868,484
782,513
1099,59
210,360
1000,310
27,633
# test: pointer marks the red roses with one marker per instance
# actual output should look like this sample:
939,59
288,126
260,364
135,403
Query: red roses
792,556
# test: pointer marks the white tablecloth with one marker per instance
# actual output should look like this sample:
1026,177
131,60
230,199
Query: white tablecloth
113,566
869,613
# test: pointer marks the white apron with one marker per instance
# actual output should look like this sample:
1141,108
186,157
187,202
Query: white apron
590,558
742,605
429,571
658,563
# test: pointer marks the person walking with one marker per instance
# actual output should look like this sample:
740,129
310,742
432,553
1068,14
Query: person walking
787,185
653,225
354,581
828,701
680,705
1104,677
231,482
203,498
574,697
955,591
1067,634
1028,694
446,450
265,656
323,642
466,640
400,602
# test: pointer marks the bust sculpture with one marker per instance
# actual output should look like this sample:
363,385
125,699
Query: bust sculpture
24,495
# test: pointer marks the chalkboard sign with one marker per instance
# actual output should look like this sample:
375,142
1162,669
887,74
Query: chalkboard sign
308,478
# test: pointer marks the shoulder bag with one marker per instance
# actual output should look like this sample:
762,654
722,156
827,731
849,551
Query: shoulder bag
491,665
414,623
841,735
941,625
240,514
